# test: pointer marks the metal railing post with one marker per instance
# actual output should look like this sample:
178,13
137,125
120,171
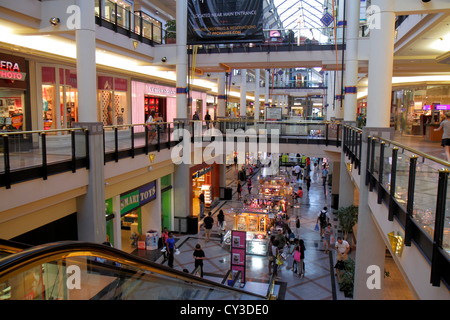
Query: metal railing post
393,183
439,225
410,201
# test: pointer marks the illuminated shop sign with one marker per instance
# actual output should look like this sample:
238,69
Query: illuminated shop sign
137,198
11,71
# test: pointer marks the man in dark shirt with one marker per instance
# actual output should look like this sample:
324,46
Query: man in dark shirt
199,256
209,222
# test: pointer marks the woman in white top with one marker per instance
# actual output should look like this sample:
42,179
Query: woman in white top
445,125
151,126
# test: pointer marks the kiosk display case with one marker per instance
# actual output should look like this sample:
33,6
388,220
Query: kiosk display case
256,224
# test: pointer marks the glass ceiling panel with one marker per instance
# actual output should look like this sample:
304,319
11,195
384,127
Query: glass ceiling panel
305,14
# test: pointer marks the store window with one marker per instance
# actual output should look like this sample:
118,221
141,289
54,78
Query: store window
113,100
63,93
13,88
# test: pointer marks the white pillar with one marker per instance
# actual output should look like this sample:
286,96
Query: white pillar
243,102
91,206
221,98
351,61
381,60
116,223
257,93
182,59
267,88
86,68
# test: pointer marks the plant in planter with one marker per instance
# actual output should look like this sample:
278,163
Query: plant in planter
170,31
346,284
347,218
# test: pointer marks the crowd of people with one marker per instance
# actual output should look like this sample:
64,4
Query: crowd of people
285,245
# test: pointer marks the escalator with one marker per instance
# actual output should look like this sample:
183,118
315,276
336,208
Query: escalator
73,270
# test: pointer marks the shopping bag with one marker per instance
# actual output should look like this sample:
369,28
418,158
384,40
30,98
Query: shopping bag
316,228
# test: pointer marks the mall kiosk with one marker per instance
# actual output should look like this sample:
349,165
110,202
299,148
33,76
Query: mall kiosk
256,223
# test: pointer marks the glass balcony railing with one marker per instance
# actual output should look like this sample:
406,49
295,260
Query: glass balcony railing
135,23
414,186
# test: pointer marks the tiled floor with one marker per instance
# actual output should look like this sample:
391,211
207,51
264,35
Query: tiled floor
319,281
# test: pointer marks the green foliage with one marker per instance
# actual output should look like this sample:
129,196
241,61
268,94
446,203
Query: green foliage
347,281
347,218
171,27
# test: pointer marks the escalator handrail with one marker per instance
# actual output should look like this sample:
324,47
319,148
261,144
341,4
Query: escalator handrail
34,256
12,246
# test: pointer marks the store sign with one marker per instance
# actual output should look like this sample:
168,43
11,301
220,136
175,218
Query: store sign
159,90
10,70
137,198
218,21
202,172
238,253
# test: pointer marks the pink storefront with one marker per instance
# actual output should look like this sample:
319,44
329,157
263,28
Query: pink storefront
147,97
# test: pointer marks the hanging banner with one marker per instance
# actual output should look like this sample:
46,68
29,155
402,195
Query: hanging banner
220,21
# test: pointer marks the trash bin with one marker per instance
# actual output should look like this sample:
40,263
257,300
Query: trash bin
228,194
192,224
241,175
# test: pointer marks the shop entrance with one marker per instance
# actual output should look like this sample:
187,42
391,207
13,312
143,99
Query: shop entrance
130,225
69,106
157,104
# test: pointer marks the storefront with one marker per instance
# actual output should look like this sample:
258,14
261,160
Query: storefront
147,97
416,108
59,88
14,89
205,178
136,215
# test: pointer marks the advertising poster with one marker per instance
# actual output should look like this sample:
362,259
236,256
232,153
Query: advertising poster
238,252
219,21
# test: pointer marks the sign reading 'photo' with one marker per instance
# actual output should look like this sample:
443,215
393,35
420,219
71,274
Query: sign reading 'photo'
225,21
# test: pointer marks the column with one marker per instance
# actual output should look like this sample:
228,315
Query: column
351,60
381,60
91,206
378,123
221,98
243,102
182,60
181,177
257,93
117,223
267,88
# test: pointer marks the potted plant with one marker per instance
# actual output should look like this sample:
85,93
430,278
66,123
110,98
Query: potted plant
346,283
170,31
347,218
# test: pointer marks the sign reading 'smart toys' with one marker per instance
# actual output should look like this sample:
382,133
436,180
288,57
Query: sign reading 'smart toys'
225,21
137,198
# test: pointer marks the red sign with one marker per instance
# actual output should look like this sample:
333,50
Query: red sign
120,84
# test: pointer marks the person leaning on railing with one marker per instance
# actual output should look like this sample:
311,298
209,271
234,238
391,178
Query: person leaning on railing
445,125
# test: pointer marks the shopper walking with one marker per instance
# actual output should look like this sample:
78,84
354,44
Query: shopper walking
323,219
201,199
221,225
151,127
301,264
327,233
445,126
208,223
271,253
170,248
308,182
199,256
239,189
249,185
